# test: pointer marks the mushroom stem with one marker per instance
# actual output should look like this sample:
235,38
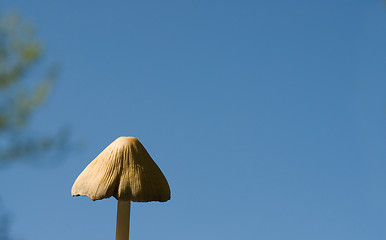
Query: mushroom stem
123,220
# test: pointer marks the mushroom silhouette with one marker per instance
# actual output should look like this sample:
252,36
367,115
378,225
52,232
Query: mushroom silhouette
125,171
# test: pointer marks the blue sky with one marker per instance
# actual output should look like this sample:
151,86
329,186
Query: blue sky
266,117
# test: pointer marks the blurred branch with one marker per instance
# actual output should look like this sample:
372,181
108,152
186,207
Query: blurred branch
20,51
4,224
20,97
32,150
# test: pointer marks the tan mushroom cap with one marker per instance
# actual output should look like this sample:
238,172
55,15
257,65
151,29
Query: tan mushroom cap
124,170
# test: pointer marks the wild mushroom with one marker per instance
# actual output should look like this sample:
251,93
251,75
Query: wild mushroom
126,171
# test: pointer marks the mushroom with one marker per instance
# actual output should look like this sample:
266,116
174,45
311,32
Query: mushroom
126,171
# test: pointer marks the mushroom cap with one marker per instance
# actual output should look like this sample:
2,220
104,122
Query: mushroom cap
124,170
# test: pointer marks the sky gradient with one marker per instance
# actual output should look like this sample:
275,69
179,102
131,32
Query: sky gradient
266,117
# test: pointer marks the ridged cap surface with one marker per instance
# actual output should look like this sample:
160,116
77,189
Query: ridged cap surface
124,170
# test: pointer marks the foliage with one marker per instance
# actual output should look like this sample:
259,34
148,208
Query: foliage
20,96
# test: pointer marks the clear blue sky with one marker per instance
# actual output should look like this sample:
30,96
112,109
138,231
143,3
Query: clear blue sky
268,118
